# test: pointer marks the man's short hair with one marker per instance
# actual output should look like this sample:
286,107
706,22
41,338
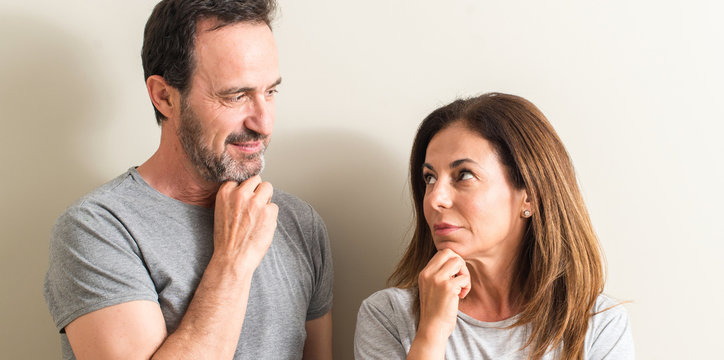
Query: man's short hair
168,40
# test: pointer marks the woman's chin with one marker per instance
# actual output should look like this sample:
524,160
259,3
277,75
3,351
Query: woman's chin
455,247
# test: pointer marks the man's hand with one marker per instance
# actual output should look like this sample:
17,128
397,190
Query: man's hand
244,221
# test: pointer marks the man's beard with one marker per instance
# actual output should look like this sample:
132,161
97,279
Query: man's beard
221,167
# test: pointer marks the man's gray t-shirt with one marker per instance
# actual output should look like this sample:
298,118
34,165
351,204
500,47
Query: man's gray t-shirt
386,329
125,241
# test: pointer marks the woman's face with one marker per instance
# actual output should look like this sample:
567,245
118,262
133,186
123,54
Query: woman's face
469,204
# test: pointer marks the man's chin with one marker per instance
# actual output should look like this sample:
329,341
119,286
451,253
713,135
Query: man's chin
241,175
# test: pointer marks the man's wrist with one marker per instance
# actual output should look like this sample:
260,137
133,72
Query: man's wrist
232,266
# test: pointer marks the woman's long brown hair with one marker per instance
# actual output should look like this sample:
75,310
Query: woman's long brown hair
560,267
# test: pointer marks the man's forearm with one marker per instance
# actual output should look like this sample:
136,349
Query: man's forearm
211,326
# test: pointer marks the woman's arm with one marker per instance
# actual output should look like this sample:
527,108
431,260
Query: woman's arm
443,282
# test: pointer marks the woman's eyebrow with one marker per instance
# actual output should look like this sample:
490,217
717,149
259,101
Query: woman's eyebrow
459,162
453,164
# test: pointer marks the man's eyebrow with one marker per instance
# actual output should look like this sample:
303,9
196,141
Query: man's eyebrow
238,90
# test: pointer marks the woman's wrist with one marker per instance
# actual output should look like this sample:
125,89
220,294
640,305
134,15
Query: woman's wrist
429,343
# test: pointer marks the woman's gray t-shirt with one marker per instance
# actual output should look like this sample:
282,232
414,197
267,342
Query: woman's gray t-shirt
386,329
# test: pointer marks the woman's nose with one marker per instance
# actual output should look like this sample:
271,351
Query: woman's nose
440,196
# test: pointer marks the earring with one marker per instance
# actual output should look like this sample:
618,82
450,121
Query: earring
526,213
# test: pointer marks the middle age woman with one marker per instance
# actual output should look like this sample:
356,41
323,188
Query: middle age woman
504,263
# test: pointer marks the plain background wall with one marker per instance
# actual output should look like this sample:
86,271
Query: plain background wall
633,87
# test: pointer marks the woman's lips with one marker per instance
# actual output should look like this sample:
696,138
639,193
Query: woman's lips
444,228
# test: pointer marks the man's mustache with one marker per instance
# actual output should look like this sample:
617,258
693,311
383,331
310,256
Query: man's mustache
244,136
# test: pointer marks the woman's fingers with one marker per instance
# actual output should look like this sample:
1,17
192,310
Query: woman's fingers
464,280
447,272
462,283
441,257
443,281
456,273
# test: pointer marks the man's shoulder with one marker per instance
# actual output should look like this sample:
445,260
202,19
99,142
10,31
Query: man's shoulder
108,192
107,200
292,206
285,199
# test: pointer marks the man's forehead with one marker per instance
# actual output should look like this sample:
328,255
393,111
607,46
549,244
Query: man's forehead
211,24
241,54
252,35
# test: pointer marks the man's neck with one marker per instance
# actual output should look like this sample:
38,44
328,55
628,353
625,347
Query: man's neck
170,172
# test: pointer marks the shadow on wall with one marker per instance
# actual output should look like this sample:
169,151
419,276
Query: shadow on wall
47,98
359,190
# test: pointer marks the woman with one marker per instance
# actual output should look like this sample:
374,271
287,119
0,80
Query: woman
504,263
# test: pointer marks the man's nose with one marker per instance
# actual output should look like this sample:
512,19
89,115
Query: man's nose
261,117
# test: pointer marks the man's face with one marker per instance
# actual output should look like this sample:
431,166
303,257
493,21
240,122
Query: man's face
227,115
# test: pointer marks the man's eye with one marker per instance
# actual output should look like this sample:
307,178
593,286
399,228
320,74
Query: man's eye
272,92
237,98
429,179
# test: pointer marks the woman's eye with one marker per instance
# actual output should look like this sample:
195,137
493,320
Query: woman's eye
429,179
465,175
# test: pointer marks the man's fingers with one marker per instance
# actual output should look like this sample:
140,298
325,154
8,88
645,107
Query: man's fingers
264,191
227,187
250,184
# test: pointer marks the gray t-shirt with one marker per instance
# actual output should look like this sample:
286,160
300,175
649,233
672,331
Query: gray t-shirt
126,241
386,328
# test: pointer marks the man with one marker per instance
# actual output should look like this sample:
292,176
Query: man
190,256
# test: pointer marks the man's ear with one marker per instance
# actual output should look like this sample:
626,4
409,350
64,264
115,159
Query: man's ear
163,96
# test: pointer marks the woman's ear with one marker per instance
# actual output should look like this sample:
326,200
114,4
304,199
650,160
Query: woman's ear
526,207
163,96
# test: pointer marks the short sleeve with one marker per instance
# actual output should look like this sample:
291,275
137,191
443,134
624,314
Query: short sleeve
94,263
321,301
610,332
377,335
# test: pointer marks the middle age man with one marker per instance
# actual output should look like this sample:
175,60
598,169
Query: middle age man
190,256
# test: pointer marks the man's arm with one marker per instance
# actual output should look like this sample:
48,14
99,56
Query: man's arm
318,344
244,225
132,330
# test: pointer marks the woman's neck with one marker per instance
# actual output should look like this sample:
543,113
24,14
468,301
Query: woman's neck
493,294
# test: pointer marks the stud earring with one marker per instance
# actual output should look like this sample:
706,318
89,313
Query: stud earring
526,213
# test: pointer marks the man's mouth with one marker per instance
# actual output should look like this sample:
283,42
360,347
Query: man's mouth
251,147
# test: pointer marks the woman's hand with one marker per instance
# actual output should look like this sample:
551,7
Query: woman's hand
442,283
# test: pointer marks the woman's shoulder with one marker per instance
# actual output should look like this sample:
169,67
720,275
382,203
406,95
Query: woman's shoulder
609,330
391,297
385,325
608,307
393,303
609,319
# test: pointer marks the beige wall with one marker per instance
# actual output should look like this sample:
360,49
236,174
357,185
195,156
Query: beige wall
634,89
